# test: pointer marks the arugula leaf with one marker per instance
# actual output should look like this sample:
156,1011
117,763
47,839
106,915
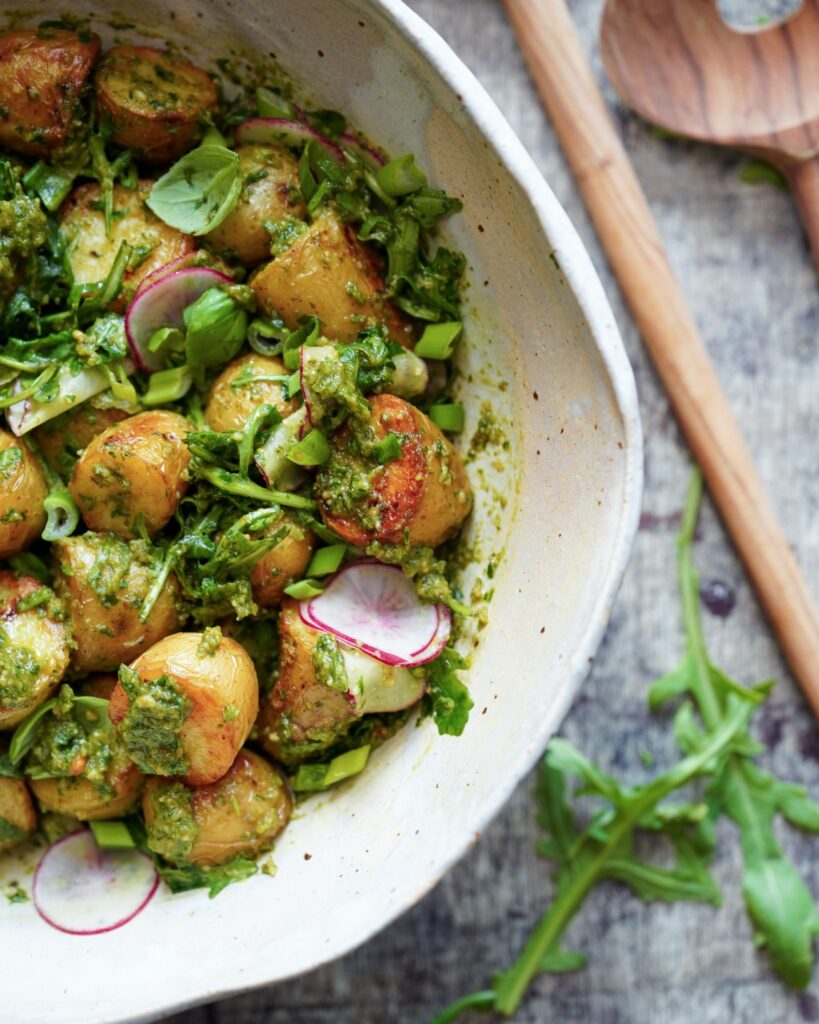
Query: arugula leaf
450,698
199,191
189,876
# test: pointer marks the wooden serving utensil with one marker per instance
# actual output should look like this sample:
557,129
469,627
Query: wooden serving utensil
635,250
680,66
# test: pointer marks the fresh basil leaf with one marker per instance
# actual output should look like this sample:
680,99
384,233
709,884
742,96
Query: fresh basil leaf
199,191
450,698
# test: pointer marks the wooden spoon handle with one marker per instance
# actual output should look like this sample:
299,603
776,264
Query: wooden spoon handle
635,250
804,181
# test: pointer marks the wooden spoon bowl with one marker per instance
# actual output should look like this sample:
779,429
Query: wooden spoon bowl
677,64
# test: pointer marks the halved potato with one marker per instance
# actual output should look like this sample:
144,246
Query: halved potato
156,101
236,392
23,489
42,75
63,439
18,819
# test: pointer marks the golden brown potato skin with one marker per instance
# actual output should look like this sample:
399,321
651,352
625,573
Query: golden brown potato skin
242,813
155,100
422,498
82,799
316,277
23,490
300,716
229,407
63,439
137,468
105,621
271,192
42,73
224,679
16,808
91,252
41,631
283,565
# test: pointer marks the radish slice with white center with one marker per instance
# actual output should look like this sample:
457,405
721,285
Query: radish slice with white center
180,263
374,608
363,148
162,304
272,130
72,390
377,687
271,459
83,890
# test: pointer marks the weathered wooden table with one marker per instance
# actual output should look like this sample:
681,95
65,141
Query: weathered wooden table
741,258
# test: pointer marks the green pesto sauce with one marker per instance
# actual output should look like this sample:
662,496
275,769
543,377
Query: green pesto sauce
173,830
420,564
284,233
328,663
109,574
150,729
19,671
488,433
10,459
70,746
209,644
22,232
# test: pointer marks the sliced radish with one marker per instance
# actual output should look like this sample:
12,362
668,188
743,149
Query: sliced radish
73,389
162,304
370,153
378,687
374,608
180,263
271,130
83,890
271,459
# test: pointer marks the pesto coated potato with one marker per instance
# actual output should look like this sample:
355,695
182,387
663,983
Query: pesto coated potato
231,401
33,645
300,716
328,273
134,471
23,490
420,498
186,705
284,564
104,582
270,192
242,813
63,439
156,101
18,818
91,250
42,74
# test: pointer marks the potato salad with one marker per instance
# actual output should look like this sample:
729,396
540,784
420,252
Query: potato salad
229,497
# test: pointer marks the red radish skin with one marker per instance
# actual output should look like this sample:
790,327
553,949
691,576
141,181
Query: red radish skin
370,153
278,131
180,263
70,864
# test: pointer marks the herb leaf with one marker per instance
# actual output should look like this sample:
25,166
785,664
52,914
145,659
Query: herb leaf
199,191
450,698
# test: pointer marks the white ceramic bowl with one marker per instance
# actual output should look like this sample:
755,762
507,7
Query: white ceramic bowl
544,352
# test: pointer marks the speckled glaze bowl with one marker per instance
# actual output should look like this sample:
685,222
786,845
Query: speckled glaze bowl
556,512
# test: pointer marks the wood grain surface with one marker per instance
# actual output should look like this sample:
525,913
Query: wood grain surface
746,271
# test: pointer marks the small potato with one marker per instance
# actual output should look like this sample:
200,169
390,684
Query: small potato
242,813
156,101
328,273
42,73
421,498
187,705
283,565
63,439
230,403
33,645
23,490
91,251
271,192
18,818
87,801
104,582
135,471
301,716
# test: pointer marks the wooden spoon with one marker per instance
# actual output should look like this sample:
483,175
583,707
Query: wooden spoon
680,66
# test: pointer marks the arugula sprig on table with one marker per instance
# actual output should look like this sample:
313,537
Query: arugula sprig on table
711,725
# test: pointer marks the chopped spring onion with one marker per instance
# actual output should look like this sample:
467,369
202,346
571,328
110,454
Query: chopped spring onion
112,285
121,388
303,590
270,104
326,560
448,417
401,176
293,384
63,515
51,185
168,385
437,340
170,337
112,835
314,777
312,450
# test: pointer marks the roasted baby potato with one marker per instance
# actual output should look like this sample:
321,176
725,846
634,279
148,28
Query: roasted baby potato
33,645
63,439
23,490
104,582
156,101
242,813
301,716
18,818
270,193
91,250
91,801
283,565
42,74
187,705
421,498
328,273
134,472
236,392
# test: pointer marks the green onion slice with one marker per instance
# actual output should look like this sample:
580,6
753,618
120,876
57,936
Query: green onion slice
63,515
448,417
315,777
326,560
401,176
437,340
168,385
304,589
112,835
270,104
312,450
